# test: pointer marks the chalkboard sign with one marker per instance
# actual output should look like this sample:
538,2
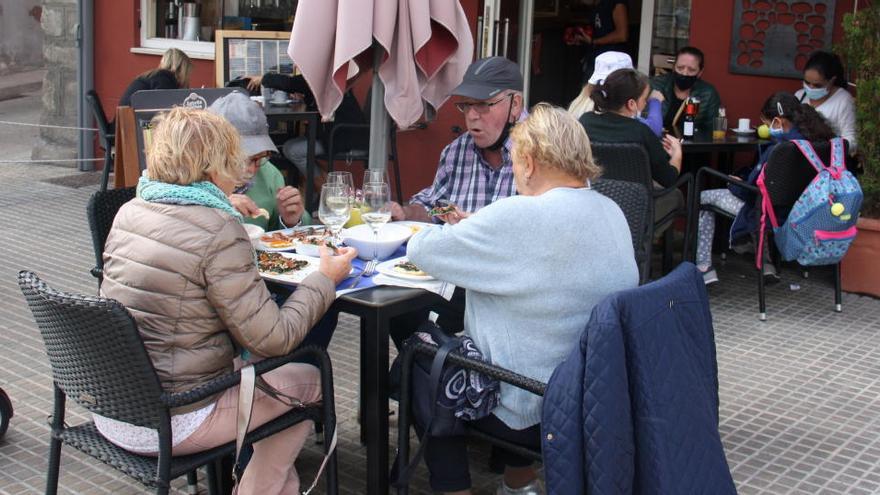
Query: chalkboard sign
147,104
247,53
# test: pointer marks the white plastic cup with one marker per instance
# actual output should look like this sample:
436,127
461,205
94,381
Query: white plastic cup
744,125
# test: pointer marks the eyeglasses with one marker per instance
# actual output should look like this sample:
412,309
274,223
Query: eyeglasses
480,107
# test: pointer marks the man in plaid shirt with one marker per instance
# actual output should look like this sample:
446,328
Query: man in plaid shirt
475,169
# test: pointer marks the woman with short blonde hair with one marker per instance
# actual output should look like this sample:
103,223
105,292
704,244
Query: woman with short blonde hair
533,266
172,73
180,261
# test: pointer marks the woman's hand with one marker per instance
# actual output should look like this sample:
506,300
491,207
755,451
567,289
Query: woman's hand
657,96
454,216
254,82
244,205
336,268
290,205
673,146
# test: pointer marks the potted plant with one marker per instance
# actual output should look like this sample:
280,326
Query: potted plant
861,48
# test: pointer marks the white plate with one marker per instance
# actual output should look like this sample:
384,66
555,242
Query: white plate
280,103
740,131
297,276
387,268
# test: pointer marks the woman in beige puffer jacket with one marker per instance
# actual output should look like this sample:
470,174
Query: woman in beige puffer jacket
179,259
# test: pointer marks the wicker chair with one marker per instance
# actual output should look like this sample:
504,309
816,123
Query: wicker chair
101,211
636,205
107,135
403,421
630,162
787,174
98,359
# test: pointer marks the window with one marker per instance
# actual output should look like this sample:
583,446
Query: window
190,26
672,20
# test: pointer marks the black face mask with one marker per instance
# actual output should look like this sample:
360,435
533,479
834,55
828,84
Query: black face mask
684,82
505,132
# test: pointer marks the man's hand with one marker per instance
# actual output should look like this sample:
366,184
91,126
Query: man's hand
254,82
244,205
397,212
336,268
290,205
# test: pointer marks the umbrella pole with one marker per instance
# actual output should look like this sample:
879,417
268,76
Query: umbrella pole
379,120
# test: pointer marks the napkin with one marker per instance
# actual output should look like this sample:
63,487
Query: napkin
442,289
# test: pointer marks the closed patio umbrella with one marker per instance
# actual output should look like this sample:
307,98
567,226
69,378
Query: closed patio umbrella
419,50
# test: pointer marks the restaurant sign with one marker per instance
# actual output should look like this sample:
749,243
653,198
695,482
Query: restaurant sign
776,37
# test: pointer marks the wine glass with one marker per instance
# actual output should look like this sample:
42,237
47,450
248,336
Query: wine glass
342,178
377,199
375,175
334,208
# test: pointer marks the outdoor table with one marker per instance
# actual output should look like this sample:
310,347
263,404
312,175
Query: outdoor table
702,142
296,112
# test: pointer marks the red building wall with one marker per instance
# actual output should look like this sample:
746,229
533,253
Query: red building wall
710,31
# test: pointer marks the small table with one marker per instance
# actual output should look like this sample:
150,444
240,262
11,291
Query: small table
376,307
296,112
702,142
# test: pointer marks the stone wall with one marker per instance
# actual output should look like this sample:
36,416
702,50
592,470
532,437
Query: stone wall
60,91
21,42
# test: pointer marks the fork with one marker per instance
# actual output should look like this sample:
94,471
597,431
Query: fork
368,271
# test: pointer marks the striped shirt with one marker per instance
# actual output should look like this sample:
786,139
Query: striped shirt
465,178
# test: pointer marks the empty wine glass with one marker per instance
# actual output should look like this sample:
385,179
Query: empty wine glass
342,178
378,213
334,208
375,175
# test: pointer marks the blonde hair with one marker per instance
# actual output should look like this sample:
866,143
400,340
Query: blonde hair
555,139
176,62
188,144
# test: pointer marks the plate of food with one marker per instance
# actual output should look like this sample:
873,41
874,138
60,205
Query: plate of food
279,240
414,227
402,268
288,268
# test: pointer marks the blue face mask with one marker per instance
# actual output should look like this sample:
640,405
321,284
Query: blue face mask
777,133
815,93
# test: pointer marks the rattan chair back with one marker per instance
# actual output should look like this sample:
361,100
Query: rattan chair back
787,173
624,161
101,211
636,203
96,353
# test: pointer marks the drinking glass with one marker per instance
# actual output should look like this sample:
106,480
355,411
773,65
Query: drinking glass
377,200
375,175
344,179
334,208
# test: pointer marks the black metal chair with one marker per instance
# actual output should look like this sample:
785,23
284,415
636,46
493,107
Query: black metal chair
629,162
403,421
334,152
98,359
105,132
5,412
787,174
637,207
101,211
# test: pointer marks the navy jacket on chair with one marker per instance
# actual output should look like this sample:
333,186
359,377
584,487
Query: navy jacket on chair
634,408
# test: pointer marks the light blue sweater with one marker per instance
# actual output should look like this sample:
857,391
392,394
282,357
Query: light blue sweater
533,268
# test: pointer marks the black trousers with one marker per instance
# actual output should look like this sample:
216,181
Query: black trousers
450,319
447,459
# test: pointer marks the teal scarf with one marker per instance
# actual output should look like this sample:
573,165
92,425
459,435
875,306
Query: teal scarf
198,193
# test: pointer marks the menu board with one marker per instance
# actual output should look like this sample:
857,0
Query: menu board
245,53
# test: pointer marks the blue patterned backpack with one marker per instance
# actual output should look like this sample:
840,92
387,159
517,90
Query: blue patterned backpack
822,223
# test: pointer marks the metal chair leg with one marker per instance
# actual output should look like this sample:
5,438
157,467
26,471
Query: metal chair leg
211,471
838,292
108,164
668,238
192,482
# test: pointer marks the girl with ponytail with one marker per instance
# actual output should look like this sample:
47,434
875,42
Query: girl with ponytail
788,119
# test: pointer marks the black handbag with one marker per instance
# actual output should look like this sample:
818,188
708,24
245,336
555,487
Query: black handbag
444,396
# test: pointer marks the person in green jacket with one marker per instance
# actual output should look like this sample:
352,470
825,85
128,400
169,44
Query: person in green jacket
683,82
262,198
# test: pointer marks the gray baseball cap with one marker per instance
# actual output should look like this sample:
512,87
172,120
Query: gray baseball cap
248,118
488,77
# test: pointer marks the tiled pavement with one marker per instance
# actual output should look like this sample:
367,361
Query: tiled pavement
799,393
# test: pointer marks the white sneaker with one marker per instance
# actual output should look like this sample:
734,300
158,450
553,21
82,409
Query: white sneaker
533,488
710,276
